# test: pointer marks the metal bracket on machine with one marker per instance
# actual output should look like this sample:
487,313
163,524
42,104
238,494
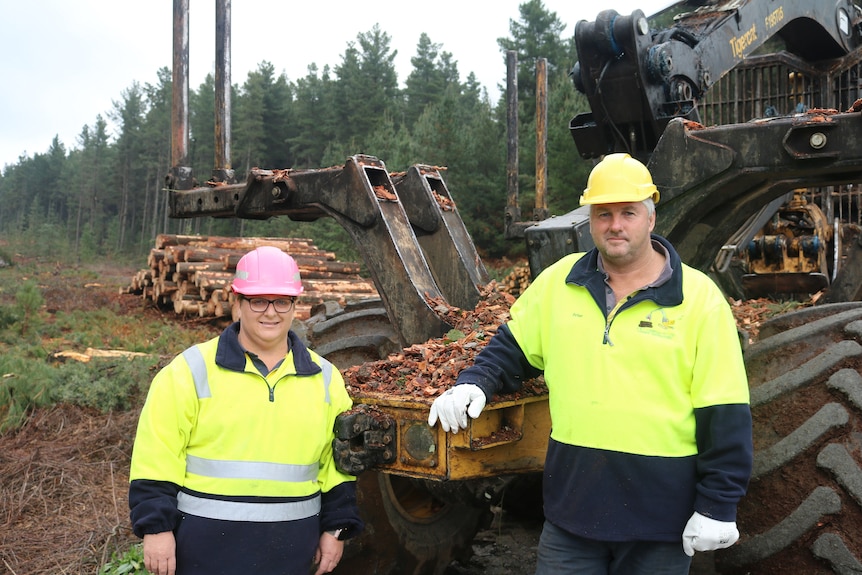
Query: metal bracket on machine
364,437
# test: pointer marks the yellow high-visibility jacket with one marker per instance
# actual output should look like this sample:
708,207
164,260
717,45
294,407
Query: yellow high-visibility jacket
219,441
648,399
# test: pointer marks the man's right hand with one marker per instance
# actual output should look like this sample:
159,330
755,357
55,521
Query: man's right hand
455,404
160,553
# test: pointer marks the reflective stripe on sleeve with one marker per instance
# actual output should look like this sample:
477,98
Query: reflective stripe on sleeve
239,511
326,367
264,470
198,367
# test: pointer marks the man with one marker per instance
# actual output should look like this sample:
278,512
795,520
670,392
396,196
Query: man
232,469
650,448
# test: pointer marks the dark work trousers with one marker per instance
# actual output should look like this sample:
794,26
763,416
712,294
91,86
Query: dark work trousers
561,553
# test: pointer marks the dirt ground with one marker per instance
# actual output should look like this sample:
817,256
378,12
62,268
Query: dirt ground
64,476
507,547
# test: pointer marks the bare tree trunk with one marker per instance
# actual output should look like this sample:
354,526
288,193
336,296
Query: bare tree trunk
145,215
124,206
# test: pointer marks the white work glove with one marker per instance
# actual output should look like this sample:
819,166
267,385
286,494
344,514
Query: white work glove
704,534
455,404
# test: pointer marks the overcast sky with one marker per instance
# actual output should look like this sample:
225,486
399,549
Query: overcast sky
65,62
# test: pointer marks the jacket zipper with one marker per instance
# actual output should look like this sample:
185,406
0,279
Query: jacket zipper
607,339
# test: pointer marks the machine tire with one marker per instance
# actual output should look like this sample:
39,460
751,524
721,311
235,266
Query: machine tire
353,334
434,531
408,529
803,510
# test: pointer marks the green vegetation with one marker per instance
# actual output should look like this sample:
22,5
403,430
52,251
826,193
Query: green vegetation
453,335
129,563
33,375
28,300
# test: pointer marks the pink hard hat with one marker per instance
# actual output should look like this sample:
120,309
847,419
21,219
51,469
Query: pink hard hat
267,270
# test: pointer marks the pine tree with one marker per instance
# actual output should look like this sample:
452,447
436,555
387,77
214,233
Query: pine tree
367,85
202,128
250,150
538,34
433,72
156,154
313,118
128,113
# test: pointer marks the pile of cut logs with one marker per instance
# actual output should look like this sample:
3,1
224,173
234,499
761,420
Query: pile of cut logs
193,274
517,280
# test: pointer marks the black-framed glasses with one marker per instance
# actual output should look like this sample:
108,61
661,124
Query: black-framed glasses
261,304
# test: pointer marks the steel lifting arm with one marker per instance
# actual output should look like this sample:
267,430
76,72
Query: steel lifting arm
413,251
713,179
442,235
636,80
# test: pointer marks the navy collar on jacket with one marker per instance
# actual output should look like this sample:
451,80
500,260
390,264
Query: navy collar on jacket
586,273
231,355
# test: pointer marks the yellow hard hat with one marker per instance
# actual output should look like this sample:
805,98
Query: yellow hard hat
619,178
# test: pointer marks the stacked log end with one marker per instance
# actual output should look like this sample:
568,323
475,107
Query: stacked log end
517,280
192,274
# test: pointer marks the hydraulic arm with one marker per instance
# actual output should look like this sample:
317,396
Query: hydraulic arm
637,81
415,249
